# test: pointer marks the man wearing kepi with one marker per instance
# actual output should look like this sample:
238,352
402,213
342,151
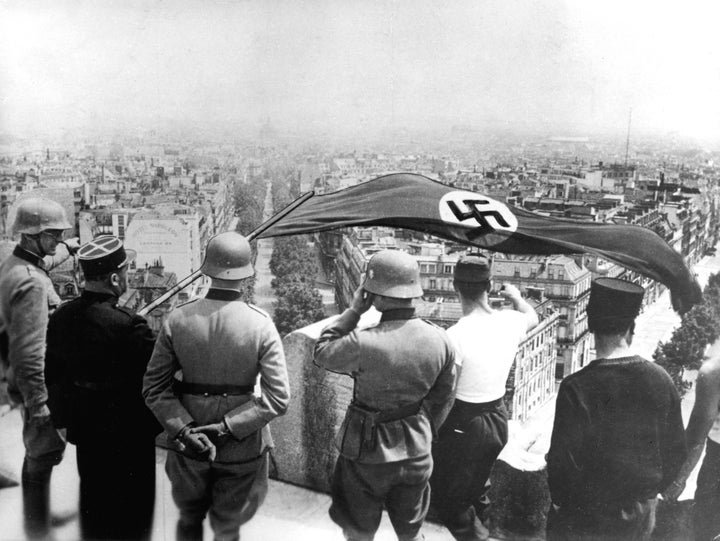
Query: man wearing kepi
97,352
404,372
27,298
618,436
219,344
476,430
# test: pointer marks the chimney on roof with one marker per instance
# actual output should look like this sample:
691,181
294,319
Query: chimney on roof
157,268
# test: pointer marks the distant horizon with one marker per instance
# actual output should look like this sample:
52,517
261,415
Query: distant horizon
443,135
359,67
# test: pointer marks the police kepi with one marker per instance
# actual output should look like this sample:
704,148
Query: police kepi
104,255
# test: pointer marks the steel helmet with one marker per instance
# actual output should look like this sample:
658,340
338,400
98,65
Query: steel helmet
392,273
37,214
228,257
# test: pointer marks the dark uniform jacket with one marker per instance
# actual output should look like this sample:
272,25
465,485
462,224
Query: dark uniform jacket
401,361
96,358
618,435
220,340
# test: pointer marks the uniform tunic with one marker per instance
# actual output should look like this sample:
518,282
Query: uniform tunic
400,362
27,298
617,442
96,358
219,340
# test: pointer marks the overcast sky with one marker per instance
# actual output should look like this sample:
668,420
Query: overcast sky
573,66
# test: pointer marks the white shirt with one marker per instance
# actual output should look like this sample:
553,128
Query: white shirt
486,344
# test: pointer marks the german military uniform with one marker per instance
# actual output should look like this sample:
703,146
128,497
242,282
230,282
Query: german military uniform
27,297
98,352
404,372
219,345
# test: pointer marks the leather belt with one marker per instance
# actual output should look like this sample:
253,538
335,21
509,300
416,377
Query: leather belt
474,407
398,413
207,389
372,418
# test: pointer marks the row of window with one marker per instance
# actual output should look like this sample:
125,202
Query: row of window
533,396
432,268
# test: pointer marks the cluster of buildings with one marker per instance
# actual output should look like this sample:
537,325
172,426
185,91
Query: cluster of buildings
159,204
682,207
166,200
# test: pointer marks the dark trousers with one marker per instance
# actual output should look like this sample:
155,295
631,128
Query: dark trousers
360,491
468,444
634,522
117,488
230,493
44,449
707,495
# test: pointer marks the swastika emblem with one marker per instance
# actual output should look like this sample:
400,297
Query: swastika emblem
483,213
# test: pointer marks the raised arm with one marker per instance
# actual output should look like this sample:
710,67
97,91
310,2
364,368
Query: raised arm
512,293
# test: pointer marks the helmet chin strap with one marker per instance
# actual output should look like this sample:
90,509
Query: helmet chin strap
32,243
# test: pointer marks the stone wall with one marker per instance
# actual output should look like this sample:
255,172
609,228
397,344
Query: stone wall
304,437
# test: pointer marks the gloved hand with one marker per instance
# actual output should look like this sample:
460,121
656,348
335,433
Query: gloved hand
214,431
72,244
198,444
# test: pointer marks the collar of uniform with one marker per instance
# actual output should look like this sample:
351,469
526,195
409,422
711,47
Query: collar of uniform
398,313
28,256
96,296
214,294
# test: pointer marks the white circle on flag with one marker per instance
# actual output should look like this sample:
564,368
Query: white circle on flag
477,210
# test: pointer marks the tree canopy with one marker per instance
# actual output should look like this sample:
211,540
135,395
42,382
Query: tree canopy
698,328
294,266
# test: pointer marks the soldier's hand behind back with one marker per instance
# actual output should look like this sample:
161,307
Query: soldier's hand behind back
199,444
214,431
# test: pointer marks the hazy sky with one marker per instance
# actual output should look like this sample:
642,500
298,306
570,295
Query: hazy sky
564,65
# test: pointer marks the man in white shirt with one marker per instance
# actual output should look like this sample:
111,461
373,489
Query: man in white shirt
486,341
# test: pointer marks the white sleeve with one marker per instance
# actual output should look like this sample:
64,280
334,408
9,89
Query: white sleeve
454,335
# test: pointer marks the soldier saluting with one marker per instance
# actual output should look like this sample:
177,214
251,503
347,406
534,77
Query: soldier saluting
220,344
404,372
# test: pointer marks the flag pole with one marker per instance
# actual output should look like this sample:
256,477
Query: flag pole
252,235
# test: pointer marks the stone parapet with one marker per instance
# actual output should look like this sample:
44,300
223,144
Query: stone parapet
305,452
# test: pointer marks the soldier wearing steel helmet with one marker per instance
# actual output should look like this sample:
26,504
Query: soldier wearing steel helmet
215,423
27,298
404,372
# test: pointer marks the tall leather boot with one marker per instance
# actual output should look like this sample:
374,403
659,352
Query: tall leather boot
36,505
